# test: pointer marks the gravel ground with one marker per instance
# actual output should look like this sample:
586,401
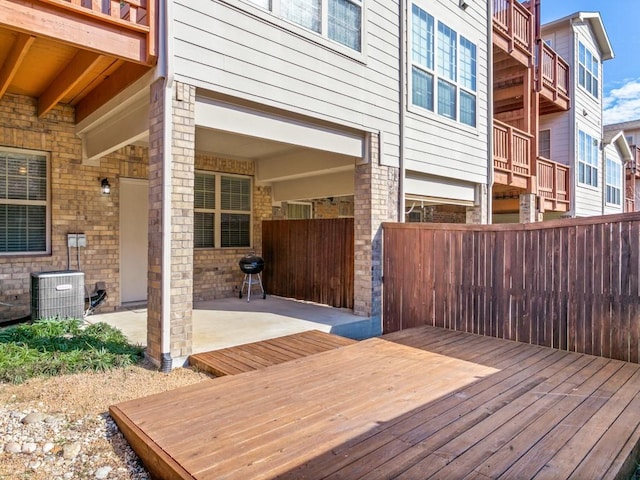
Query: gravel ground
60,428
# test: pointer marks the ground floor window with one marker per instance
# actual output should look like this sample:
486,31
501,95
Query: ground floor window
222,210
24,201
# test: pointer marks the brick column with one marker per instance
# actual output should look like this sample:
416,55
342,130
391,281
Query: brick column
479,214
528,213
376,201
171,210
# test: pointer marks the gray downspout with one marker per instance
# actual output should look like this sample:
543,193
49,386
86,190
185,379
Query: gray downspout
166,72
573,171
402,112
490,176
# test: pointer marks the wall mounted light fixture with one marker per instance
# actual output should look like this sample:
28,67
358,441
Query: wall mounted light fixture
463,4
106,188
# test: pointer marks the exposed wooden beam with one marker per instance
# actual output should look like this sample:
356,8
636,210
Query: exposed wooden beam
66,80
14,59
112,85
74,25
506,205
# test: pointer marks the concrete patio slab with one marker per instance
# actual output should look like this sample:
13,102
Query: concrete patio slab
228,322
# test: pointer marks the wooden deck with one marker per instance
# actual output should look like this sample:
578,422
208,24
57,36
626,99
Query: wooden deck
257,355
421,403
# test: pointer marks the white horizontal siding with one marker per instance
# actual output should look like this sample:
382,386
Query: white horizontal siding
438,146
222,48
559,125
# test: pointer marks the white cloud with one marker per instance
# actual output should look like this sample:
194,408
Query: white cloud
623,104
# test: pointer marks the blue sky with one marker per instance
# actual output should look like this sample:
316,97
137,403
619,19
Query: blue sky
622,74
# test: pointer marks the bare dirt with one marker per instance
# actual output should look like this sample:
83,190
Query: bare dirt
76,407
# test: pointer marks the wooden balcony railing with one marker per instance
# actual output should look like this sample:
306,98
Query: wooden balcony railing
514,24
135,19
629,205
553,184
553,73
511,150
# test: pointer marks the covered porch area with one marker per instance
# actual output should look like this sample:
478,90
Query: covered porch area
228,322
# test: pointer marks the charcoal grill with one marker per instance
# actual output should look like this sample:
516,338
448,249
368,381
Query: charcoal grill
251,265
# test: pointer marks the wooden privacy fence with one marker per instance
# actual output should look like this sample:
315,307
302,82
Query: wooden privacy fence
310,260
568,284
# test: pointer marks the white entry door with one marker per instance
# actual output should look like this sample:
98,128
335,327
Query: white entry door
134,243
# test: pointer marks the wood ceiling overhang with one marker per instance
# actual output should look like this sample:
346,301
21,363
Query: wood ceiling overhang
76,52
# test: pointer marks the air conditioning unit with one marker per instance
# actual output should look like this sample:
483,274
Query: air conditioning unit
57,294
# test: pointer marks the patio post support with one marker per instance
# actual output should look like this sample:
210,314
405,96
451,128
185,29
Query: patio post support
479,214
171,182
528,212
376,201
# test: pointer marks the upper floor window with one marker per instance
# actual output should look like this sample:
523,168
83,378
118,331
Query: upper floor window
614,182
587,159
222,211
588,71
443,70
544,144
23,201
338,20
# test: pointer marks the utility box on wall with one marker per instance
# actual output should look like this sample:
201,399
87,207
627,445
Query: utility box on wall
57,294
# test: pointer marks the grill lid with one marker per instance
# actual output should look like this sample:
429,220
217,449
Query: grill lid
251,264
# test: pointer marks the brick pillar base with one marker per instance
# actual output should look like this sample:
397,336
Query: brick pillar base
376,201
479,213
528,213
175,279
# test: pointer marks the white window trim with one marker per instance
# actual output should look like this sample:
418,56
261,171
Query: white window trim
320,39
433,114
47,250
308,204
588,72
218,211
597,167
619,187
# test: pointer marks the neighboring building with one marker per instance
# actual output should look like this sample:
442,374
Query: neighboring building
530,81
254,110
576,137
631,133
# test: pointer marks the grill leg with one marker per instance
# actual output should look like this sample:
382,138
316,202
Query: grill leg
249,289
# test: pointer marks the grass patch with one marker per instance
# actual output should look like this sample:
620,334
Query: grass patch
56,347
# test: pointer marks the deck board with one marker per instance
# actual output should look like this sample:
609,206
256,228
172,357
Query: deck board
459,406
258,355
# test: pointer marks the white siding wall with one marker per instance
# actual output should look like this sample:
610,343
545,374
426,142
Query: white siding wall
434,144
234,48
588,200
585,115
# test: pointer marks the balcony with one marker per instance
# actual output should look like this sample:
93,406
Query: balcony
513,30
553,185
60,51
552,80
511,156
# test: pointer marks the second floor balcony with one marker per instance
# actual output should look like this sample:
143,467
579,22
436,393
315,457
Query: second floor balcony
514,170
59,51
552,80
513,30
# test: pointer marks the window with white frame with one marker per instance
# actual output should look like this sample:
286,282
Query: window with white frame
338,20
299,210
614,182
24,201
222,211
588,70
587,159
443,69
